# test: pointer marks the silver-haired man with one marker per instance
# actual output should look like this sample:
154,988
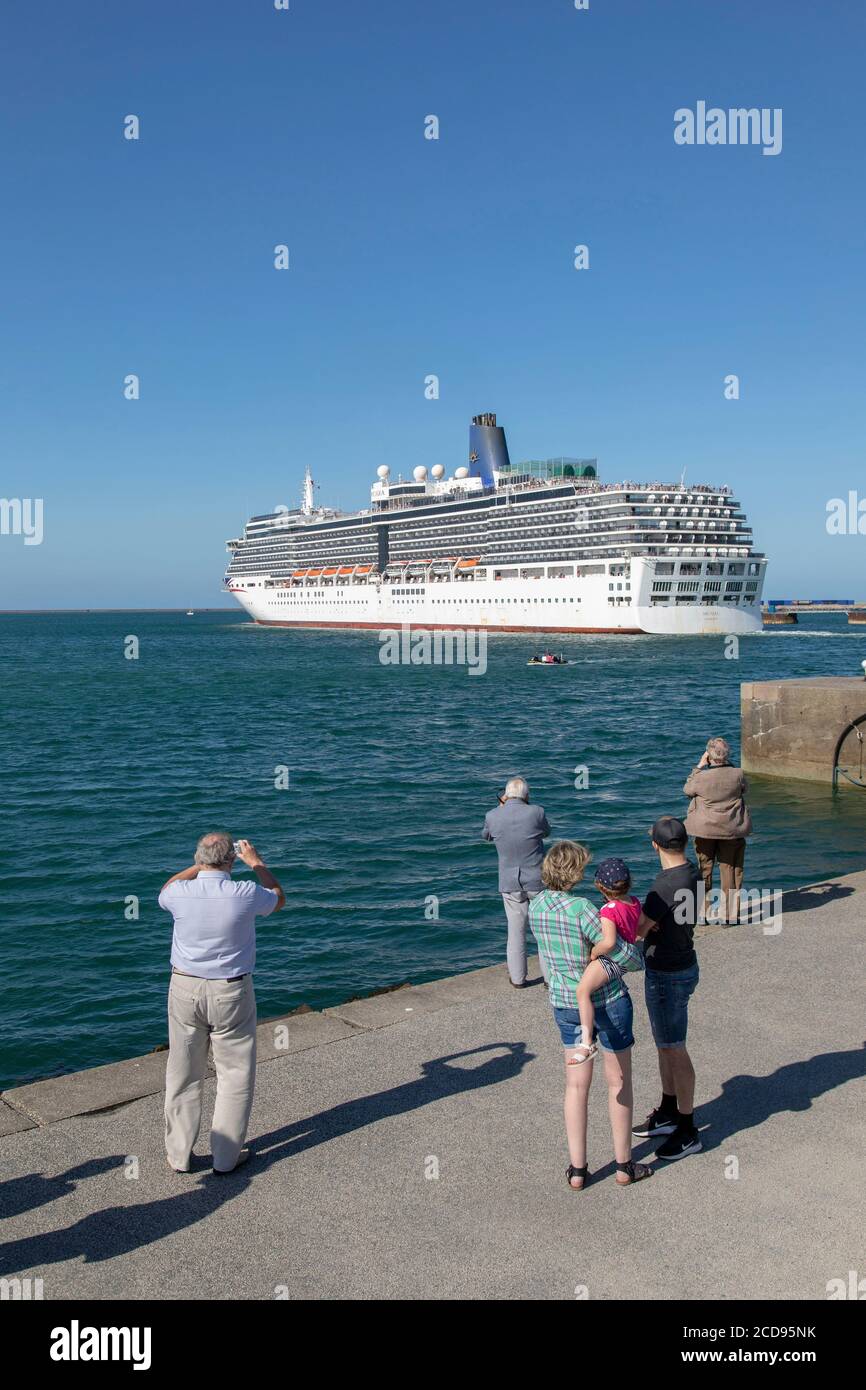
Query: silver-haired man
211,997
517,830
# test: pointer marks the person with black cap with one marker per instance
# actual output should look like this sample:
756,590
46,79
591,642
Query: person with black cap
668,917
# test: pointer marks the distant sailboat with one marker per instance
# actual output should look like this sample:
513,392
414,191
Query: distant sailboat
190,613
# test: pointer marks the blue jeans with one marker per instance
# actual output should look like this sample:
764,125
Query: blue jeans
667,994
613,1024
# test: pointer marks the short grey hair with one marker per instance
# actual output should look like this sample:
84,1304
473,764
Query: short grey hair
517,788
718,750
214,849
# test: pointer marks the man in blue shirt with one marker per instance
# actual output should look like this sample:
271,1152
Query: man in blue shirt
211,997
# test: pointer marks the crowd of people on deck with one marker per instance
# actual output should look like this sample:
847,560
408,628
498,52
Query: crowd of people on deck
585,954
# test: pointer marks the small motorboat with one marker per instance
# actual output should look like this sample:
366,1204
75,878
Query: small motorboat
549,659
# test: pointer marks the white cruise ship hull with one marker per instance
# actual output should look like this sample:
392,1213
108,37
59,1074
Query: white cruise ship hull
587,605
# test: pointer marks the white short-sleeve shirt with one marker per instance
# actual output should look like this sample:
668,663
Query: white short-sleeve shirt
215,923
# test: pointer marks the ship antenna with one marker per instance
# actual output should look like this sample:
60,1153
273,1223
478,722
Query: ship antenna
307,494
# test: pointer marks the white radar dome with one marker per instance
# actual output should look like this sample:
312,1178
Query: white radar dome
383,470
438,470
461,473
420,473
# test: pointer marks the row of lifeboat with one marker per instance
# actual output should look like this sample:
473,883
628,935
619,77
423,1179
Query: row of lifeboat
397,569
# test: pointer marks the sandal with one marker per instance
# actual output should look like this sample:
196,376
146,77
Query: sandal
589,1051
572,1172
636,1172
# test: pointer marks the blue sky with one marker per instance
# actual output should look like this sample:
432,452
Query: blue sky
410,257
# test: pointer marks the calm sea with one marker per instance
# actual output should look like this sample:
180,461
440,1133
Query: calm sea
113,767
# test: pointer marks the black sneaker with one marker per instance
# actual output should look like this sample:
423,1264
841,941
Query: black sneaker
681,1142
656,1122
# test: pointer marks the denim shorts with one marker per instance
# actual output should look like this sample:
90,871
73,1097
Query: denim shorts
667,994
613,1024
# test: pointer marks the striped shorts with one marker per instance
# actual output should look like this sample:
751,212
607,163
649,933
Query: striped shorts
612,970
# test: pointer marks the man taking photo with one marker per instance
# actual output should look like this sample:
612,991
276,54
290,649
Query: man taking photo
211,997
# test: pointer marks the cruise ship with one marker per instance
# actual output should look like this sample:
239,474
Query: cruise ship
541,546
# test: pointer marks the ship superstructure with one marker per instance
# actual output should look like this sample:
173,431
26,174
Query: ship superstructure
539,546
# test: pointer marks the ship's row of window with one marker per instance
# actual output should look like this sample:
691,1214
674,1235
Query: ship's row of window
655,599
300,597
708,600
457,537
711,586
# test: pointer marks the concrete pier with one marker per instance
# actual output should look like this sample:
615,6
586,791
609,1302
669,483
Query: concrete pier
792,728
411,1146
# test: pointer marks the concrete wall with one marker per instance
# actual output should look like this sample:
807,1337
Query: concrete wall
791,728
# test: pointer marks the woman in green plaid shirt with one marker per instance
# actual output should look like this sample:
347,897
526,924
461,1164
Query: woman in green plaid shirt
566,927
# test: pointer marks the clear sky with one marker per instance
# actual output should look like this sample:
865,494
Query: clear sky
411,256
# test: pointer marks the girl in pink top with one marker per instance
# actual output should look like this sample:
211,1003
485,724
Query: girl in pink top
620,914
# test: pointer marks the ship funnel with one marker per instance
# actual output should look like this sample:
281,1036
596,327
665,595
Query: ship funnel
487,448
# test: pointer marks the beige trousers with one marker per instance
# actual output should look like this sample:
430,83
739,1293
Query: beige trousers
731,856
223,1014
517,916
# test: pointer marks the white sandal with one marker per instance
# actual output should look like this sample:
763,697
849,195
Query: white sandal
589,1050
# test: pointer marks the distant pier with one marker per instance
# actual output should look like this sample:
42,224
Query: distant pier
804,605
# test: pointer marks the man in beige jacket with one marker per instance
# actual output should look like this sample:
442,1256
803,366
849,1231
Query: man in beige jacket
719,822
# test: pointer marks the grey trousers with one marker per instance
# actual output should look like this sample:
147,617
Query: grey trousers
223,1014
517,914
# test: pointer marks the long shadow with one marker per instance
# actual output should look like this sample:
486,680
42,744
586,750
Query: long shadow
815,895
808,899
438,1081
118,1230
747,1101
36,1190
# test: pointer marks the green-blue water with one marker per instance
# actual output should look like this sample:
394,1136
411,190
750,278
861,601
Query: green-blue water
113,767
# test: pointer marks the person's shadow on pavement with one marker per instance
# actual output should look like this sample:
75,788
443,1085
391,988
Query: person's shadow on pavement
36,1190
747,1101
118,1230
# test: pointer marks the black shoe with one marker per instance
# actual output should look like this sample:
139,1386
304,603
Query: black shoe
681,1142
656,1122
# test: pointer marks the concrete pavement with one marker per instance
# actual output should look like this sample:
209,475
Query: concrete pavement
411,1146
